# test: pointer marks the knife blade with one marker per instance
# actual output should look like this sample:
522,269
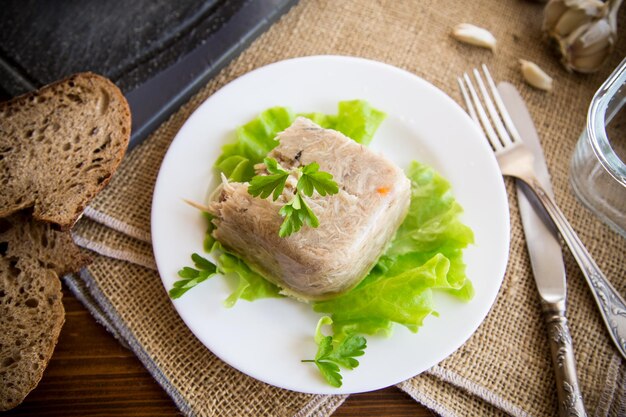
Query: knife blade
542,240
546,259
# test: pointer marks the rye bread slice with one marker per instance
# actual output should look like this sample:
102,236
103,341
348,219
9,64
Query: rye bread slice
32,257
60,145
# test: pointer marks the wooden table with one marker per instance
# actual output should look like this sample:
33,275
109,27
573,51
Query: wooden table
92,374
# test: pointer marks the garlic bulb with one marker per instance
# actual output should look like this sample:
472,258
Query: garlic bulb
535,76
474,35
585,31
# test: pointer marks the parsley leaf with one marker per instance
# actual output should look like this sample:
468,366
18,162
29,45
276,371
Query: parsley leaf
329,369
264,185
190,277
292,222
314,179
332,353
344,353
273,167
296,212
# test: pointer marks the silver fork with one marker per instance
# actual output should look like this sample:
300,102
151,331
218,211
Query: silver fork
516,160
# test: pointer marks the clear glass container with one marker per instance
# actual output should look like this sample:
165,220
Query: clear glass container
598,170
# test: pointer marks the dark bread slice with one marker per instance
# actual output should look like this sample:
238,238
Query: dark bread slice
31,325
32,257
60,145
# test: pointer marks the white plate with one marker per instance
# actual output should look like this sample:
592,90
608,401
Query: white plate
266,339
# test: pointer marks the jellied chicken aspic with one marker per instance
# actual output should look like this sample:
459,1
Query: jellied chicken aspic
355,227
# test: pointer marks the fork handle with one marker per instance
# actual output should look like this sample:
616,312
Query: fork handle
612,305
569,397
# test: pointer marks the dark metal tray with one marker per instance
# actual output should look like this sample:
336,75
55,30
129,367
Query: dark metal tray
159,52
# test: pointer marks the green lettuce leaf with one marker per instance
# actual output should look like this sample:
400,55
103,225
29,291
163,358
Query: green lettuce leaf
426,255
433,225
356,119
251,286
433,222
378,302
254,141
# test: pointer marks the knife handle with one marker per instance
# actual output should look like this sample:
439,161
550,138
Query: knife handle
569,396
611,305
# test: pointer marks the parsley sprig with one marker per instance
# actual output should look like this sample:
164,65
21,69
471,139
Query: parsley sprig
190,277
273,183
296,212
334,353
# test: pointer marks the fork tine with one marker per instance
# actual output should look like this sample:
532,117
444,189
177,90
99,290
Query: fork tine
493,113
491,134
501,107
468,101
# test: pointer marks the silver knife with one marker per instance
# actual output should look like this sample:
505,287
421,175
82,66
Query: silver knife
546,260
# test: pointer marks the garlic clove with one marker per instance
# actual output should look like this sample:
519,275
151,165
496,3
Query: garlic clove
591,62
595,8
552,13
535,76
602,47
474,35
597,36
570,20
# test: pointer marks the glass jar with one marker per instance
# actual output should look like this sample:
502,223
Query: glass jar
598,170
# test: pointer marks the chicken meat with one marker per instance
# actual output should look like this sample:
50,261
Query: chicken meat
356,224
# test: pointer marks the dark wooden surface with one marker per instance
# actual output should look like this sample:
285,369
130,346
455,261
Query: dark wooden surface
91,374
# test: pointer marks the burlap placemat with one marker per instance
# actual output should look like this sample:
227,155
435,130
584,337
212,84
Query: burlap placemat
505,367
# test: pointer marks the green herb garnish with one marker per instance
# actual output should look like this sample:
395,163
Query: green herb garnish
332,353
190,277
314,179
296,212
272,184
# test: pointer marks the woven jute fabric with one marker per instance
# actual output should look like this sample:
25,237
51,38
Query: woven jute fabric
447,399
113,243
505,367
